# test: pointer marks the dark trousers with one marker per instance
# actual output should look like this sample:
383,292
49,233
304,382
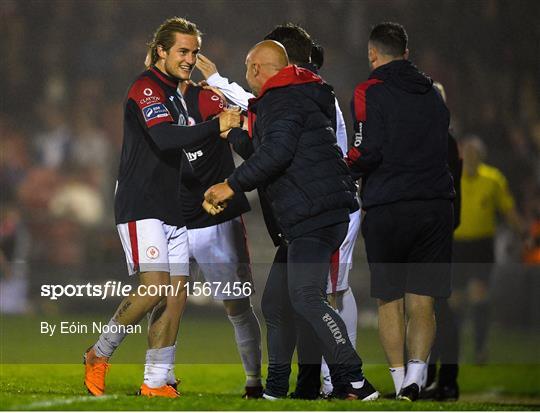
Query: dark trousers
294,300
446,346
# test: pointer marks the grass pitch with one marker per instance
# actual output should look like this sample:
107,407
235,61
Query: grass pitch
30,380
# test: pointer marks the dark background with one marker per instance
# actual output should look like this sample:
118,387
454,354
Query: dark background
66,66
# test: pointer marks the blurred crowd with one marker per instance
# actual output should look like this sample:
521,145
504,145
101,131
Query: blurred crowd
67,65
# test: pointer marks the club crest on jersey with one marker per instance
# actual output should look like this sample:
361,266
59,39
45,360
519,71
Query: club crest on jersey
157,110
152,253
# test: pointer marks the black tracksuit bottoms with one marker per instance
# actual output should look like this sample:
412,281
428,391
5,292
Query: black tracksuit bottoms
295,298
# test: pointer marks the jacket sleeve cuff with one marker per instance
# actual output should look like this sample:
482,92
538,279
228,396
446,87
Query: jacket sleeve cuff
235,135
215,79
234,184
214,126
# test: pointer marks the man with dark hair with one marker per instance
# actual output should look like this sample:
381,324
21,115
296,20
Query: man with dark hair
227,263
400,150
389,39
295,39
317,56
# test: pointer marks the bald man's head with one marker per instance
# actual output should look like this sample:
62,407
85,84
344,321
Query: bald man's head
263,61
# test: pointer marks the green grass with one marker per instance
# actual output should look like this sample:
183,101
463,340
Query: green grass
29,380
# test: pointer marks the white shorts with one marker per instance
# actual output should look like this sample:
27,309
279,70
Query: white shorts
221,254
152,245
341,264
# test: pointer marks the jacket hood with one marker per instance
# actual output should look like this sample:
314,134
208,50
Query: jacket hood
404,75
293,75
290,75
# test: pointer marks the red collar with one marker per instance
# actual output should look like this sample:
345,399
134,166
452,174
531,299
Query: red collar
168,80
289,75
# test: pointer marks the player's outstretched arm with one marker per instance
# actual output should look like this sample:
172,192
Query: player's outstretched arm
169,136
232,91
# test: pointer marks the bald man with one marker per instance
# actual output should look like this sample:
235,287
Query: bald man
307,194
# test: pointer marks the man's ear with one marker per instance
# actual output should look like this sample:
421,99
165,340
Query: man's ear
162,53
406,54
372,54
256,69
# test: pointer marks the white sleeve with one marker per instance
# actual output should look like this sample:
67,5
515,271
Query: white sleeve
341,135
232,91
341,130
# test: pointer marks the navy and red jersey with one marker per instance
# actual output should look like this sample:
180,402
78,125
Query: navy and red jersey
155,132
400,146
211,162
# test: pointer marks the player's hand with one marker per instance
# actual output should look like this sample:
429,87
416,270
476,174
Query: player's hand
205,65
229,118
211,209
217,194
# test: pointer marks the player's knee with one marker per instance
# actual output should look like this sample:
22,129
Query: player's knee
152,301
236,307
419,305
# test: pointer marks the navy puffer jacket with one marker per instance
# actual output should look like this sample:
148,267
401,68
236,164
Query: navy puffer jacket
297,162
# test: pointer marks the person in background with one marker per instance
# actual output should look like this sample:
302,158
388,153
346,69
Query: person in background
485,194
400,151
443,385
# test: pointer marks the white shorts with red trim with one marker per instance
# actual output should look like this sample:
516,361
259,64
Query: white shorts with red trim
152,245
220,253
341,264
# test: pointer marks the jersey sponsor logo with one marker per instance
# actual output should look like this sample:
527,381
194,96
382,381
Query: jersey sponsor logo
157,110
358,136
193,156
150,99
182,120
148,92
152,252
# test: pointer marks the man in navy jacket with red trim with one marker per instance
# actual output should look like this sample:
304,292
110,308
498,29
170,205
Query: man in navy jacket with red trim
400,151
299,166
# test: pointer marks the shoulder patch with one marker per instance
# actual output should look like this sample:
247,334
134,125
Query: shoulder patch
359,98
210,104
150,99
